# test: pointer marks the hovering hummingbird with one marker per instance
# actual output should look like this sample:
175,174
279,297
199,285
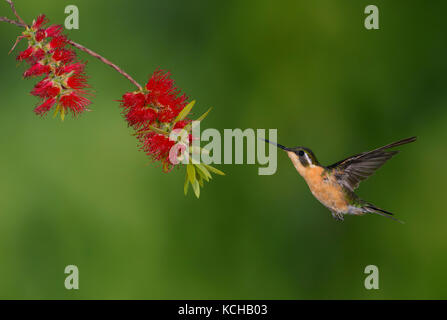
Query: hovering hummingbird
334,185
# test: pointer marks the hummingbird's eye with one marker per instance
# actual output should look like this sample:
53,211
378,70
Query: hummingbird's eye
301,153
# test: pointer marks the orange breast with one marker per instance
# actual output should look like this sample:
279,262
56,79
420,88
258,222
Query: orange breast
327,191
323,187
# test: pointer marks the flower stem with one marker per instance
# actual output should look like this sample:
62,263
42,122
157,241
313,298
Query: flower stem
21,23
106,61
11,4
17,23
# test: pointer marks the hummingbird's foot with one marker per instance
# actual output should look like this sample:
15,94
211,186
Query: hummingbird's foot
337,216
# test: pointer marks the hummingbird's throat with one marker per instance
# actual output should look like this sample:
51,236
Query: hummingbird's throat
297,163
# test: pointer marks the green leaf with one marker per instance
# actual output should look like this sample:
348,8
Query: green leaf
196,188
186,186
152,129
191,171
201,181
56,111
202,175
186,110
214,170
63,114
203,171
203,116
158,130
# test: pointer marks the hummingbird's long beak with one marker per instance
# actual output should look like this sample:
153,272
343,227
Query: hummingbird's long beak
277,144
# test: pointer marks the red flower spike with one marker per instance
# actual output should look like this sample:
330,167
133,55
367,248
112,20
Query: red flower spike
64,81
157,105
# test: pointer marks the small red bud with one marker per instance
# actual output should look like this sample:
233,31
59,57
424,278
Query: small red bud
40,35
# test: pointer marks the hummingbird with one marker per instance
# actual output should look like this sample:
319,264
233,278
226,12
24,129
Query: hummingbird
334,185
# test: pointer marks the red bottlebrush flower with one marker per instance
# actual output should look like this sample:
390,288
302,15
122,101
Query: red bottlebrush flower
46,89
45,107
63,55
64,79
157,105
141,117
36,70
77,82
75,102
39,22
58,42
53,31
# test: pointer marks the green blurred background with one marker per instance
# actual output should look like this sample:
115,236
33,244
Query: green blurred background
80,192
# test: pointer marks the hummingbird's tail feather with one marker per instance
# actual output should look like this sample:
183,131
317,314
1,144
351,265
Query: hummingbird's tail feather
373,209
395,144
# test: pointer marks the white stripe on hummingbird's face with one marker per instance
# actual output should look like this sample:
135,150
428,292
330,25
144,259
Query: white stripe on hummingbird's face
304,157
308,160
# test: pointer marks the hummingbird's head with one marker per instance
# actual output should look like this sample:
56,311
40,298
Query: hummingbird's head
305,156
299,155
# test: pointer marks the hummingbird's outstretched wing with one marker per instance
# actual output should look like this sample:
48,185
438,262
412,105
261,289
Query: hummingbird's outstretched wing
351,171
